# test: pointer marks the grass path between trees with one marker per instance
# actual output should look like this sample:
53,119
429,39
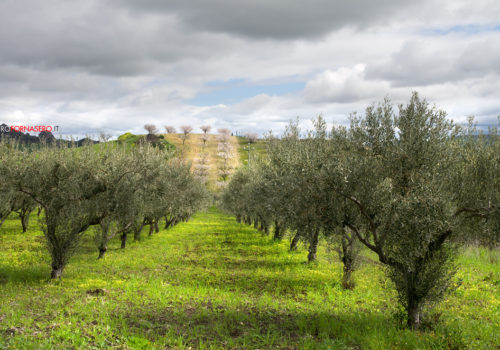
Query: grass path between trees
212,283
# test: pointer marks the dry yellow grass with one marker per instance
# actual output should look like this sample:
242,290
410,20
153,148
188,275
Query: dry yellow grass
193,148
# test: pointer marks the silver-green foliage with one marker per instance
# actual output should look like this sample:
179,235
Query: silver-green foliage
395,171
404,183
476,184
108,185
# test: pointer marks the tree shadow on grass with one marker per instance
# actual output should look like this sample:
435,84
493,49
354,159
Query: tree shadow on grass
24,275
263,328
293,285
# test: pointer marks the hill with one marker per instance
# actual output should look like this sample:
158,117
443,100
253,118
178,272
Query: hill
193,148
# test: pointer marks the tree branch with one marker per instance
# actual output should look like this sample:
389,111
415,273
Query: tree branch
361,238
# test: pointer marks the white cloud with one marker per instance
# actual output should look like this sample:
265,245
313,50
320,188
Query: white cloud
346,84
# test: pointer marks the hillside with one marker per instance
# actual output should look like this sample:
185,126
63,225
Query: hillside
193,148
257,149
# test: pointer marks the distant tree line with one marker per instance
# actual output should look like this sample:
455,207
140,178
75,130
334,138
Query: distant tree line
407,184
35,140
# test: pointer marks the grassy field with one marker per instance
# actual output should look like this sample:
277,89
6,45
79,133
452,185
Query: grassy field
212,283
257,149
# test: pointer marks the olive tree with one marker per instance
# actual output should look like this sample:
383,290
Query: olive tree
12,201
150,193
186,194
71,185
120,207
393,171
64,183
299,161
476,185
234,197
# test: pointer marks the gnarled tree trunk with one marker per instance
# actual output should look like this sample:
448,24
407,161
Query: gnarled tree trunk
3,219
102,251
266,229
278,233
137,231
413,315
57,271
123,238
313,247
295,241
348,255
24,215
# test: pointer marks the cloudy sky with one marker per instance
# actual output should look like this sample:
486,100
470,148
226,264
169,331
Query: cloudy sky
113,65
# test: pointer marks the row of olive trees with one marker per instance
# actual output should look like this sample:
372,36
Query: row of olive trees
405,184
112,188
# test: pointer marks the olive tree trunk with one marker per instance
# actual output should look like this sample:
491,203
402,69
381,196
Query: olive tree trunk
24,215
57,270
295,241
3,219
413,315
137,231
123,238
313,247
348,255
102,251
278,232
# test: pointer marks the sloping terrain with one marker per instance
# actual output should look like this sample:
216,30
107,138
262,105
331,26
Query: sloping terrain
193,148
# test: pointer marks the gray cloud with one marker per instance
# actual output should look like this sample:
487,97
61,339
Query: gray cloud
115,65
91,37
278,19
420,63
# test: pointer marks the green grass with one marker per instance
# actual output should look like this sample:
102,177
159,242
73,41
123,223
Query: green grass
257,149
212,283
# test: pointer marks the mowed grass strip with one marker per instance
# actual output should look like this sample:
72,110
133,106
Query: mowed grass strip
212,283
